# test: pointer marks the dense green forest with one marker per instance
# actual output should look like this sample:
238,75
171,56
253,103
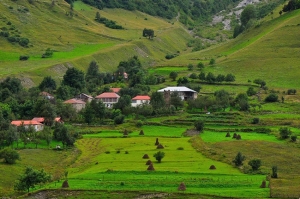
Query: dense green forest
195,9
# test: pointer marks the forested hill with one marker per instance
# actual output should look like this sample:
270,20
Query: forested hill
195,9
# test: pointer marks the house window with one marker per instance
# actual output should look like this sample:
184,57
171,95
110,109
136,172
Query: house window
133,101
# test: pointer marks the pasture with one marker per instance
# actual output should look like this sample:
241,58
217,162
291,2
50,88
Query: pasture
117,165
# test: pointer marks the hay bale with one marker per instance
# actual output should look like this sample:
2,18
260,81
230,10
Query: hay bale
141,132
65,184
227,135
148,162
238,137
234,136
146,156
125,133
160,146
212,167
156,142
263,184
151,168
182,187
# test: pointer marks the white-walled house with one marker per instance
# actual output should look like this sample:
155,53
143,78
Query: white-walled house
183,92
139,100
108,98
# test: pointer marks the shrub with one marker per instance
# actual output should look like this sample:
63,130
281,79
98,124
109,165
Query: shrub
9,155
107,152
294,138
274,172
23,57
194,76
238,160
4,34
119,119
180,148
24,42
272,98
159,156
263,130
284,132
48,53
171,56
255,164
291,92
139,123
199,125
255,120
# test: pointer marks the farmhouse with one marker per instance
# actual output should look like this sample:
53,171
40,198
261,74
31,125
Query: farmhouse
139,100
183,92
108,98
84,97
78,105
37,126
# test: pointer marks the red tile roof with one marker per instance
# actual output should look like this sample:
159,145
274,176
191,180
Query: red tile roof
38,119
141,97
25,122
115,90
108,95
74,101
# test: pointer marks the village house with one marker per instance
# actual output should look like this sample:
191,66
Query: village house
183,92
140,100
37,126
84,97
108,98
77,104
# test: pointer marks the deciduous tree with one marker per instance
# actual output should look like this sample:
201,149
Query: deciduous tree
30,178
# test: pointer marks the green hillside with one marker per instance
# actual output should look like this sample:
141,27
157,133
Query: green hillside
269,51
79,39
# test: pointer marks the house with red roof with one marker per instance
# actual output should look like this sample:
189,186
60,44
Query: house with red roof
42,119
37,126
108,98
77,104
140,100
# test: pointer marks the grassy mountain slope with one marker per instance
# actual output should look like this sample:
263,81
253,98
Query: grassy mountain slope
269,51
80,39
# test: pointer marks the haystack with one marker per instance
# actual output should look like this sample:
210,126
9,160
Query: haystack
125,133
238,137
212,167
65,184
141,132
148,162
151,168
263,184
234,135
181,187
227,135
156,142
160,146
146,156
